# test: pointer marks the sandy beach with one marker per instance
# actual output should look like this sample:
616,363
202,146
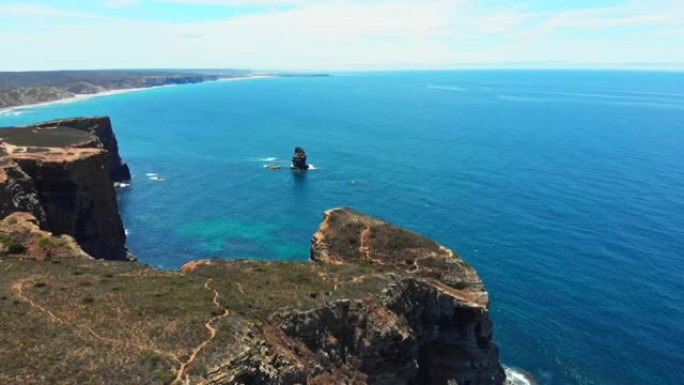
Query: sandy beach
16,110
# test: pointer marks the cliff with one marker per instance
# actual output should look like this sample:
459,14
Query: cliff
418,317
377,305
55,172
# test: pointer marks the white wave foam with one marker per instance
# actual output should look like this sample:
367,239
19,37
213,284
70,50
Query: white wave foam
126,231
446,87
515,377
268,159
121,184
154,176
312,167
12,112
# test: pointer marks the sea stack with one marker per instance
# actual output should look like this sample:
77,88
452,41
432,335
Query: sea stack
299,160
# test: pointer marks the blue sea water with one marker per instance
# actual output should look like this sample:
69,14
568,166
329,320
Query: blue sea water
564,189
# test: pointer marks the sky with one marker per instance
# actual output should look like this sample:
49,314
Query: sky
340,35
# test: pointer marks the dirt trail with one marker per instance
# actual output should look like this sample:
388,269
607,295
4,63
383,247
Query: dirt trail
472,299
18,288
181,376
364,246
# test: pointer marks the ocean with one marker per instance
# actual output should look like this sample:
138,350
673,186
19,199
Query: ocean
564,189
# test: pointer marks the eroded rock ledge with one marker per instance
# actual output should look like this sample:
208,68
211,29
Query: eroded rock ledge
62,172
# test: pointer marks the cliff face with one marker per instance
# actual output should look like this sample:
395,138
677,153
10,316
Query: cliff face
62,176
18,192
79,199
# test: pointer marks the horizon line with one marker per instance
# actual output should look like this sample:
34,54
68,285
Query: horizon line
675,67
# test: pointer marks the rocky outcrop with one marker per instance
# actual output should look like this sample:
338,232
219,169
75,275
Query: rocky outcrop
299,160
428,323
20,236
61,173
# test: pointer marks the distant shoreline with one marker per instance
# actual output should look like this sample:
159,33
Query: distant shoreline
79,97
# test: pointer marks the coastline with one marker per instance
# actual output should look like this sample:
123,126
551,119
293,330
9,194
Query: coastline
79,97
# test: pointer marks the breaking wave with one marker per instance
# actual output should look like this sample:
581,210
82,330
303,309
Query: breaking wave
154,176
12,112
517,377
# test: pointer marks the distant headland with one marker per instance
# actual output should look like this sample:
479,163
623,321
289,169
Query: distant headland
37,87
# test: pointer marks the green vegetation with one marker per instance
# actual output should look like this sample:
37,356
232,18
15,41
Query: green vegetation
131,324
299,278
165,376
13,243
44,242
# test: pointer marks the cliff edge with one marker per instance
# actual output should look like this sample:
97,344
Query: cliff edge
61,172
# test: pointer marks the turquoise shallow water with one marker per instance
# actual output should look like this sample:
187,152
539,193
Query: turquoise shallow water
564,189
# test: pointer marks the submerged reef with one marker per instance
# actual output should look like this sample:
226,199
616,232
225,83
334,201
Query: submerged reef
376,304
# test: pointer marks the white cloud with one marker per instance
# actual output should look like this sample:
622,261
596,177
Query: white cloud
603,18
120,3
23,10
357,34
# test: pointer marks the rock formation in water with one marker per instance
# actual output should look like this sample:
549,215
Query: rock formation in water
61,172
299,159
